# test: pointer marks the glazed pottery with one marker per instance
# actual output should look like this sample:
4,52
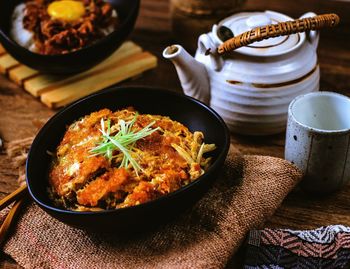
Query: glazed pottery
318,140
252,86
192,113
76,61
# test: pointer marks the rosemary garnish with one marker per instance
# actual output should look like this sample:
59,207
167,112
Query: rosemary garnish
123,141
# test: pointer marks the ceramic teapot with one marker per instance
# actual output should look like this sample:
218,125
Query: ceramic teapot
251,66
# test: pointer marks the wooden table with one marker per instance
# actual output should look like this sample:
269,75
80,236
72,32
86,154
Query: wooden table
18,110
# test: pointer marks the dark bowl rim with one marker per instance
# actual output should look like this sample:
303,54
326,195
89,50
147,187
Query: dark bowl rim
220,158
75,53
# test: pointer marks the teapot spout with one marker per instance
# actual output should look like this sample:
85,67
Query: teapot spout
192,74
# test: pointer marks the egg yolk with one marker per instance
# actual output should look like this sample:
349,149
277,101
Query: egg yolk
66,10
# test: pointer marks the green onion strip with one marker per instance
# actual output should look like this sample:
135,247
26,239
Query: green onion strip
123,141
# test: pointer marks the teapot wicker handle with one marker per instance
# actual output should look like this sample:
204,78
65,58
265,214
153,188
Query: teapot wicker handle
280,29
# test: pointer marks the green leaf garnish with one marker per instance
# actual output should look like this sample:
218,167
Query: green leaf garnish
123,141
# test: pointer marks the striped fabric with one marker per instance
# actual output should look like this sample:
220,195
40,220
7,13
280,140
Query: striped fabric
323,248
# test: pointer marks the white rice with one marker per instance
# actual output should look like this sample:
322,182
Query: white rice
110,28
18,33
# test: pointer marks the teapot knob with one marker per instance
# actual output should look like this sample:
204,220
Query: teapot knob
258,21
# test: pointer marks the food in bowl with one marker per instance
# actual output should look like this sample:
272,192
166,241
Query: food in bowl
110,160
52,27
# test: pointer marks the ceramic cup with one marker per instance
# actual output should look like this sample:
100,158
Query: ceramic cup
318,140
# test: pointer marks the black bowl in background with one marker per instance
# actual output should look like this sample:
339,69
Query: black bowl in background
192,113
76,61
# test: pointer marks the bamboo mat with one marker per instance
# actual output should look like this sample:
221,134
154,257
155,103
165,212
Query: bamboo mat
58,90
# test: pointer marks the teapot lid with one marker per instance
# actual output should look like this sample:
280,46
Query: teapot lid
245,21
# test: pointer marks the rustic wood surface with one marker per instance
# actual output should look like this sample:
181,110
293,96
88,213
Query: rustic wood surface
20,112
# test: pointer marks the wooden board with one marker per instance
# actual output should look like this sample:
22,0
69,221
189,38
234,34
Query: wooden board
7,62
59,90
2,50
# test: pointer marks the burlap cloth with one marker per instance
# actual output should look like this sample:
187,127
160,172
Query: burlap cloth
246,193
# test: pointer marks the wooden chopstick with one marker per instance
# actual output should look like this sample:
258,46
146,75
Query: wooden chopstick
13,196
10,218
18,196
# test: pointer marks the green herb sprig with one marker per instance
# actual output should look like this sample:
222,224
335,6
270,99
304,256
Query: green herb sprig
123,141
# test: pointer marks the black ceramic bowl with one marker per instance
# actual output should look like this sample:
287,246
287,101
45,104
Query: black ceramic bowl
190,112
76,61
